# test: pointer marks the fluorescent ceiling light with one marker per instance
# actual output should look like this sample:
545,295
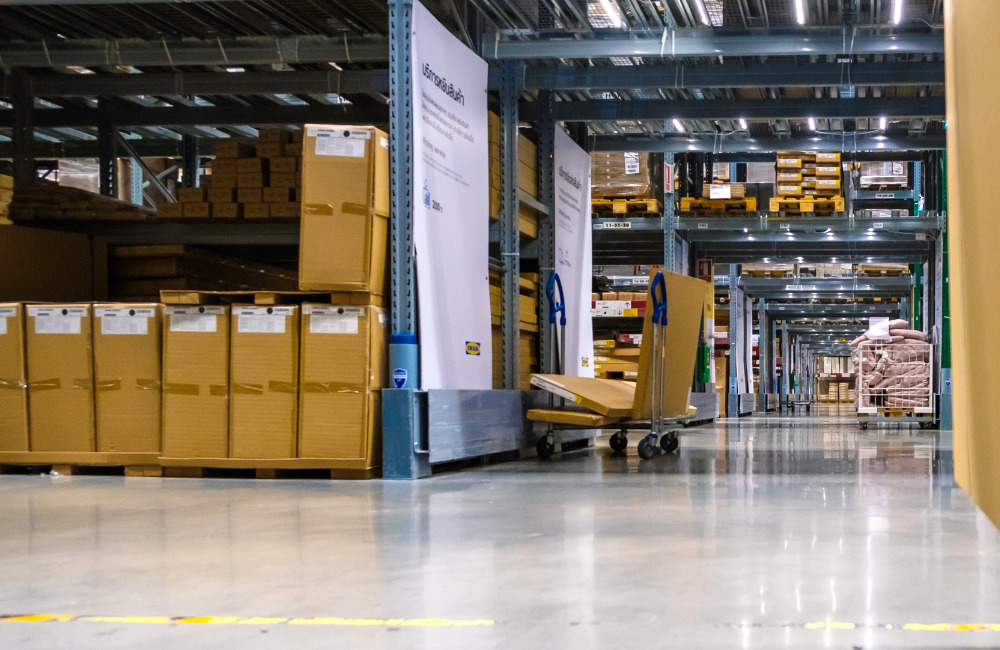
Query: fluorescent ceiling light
743,124
701,11
881,123
800,12
678,125
812,124
897,11
611,13
236,69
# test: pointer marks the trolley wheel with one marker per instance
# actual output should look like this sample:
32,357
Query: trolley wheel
670,442
545,447
646,448
618,442
791,408
864,425
808,408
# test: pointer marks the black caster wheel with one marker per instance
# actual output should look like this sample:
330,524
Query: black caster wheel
646,448
808,408
864,426
545,447
670,442
618,442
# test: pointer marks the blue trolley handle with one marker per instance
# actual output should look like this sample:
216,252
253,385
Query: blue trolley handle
658,293
556,306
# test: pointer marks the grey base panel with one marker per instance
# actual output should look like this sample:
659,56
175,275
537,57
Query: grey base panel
469,423
748,403
706,405
772,402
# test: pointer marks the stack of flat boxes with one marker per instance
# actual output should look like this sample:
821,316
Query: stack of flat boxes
844,392
6,196
614,360
800,174
527,183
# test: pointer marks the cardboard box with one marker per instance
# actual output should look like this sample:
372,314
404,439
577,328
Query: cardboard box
46,265
221,195
827,171
789,190
223,179
6,182
256,211
127,342
13,380
60,377
789,177
272,135
249,195
223,166
227,210
197,210
253,179
286,210
196,381
270,149
284,165
170,211
252,166
277,194
343,366
233,149
827,183
290,179
827,157
788,163
264,375
349,216
191,195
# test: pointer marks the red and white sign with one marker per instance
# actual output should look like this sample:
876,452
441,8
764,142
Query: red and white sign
706,270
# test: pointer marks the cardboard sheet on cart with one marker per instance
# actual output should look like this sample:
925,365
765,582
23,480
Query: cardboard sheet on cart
617,398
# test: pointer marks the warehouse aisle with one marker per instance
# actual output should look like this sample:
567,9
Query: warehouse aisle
764,532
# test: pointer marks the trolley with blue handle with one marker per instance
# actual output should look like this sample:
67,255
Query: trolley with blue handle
546,445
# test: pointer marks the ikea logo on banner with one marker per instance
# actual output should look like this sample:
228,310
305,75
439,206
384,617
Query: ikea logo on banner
471,347
586,361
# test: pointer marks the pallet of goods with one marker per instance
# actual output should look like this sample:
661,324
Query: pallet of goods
527,178
735,207
46,200
6,196
625,206
894,373
808,184
528,350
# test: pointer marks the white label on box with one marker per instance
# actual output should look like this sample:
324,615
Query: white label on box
125,321
205,323
384,142
55,320
3,324
262,320
828,169
342,134
717,191
788,188
788,161
335,320
346,147
631,162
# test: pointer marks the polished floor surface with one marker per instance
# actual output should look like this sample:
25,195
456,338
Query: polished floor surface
762,532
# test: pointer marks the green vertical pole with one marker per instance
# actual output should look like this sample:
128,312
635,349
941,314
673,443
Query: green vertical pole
918,296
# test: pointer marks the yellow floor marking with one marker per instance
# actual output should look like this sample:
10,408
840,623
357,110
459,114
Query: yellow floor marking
249,620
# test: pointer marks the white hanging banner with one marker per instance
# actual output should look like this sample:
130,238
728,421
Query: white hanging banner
574,265
451,206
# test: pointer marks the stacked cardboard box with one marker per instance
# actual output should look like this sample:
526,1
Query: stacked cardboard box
253,181
527,177
80,378
6,196
528,350
623,174
844,391
802,174
45,200
139,273
615,360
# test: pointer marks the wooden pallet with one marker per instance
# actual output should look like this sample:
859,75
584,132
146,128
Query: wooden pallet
624,206
726,206
807,205
268,468
83,462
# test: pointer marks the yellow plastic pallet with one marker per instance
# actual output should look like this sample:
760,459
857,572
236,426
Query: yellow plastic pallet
807,204
690,204
624,206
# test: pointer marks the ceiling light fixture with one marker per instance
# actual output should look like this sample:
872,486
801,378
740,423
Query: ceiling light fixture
611,13
701,11
678,125
743,124
812,124
800,12
881,123
897,11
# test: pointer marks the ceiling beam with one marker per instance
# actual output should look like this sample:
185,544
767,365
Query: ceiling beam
205,84
244,50
711,109
126,116
762,149
762,75
706,42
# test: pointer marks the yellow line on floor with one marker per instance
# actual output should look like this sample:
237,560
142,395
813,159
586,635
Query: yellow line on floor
246,620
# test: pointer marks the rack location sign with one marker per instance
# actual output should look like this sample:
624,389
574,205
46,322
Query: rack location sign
706,271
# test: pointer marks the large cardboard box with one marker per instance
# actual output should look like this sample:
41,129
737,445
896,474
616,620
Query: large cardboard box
343,367
40,265
264,381
127,342
13,380
345,209
196,381
60,378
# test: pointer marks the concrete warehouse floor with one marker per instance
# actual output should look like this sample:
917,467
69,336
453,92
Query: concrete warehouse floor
763,532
